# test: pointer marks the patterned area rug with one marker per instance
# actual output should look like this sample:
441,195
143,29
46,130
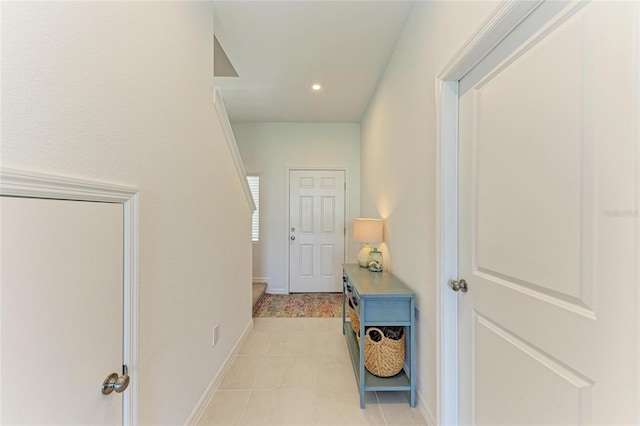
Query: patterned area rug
323,305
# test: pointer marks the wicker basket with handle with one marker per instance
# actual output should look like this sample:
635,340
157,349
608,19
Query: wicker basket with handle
384,358
353,317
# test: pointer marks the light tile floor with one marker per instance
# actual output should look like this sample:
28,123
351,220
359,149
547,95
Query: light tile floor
297,371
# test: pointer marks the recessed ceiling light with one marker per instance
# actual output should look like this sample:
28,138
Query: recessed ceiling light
316,86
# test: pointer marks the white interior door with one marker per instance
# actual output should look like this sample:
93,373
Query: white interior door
547,216
317,230
62,310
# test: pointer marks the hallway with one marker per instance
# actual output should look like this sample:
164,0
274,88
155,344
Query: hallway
296,371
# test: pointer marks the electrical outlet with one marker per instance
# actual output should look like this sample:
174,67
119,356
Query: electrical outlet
214,339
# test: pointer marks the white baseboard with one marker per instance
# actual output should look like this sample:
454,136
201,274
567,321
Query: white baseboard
424,410
213,385
269,289
422,406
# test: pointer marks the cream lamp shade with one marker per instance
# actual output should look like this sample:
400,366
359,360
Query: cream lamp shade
368,231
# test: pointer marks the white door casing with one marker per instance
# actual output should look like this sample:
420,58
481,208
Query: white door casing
316,230
548,222
86,283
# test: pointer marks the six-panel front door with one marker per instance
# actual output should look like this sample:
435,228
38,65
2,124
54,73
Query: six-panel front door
316,230
548,180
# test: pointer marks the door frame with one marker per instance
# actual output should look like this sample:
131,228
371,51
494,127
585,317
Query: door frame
288,211
491,32
23,183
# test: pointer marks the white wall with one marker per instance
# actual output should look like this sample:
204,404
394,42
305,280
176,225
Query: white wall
268,149
398,159
121,92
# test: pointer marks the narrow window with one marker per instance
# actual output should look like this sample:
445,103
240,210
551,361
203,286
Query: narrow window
254,185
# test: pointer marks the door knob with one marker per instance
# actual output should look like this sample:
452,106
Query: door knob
113,382
460,285
293,238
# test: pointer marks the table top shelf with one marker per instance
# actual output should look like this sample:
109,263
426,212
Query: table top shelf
376,284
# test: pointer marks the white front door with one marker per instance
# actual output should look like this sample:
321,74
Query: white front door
62,310
547,215
316,230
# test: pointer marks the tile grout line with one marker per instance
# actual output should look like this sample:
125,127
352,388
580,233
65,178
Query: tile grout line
244,409
317,354
255,379
313,384
384,419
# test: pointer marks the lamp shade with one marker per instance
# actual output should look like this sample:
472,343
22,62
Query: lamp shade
367,230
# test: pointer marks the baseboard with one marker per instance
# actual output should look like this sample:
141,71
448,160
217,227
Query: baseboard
422,406
424,410
198,410
269,290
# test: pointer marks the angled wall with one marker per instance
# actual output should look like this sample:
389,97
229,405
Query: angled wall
122,92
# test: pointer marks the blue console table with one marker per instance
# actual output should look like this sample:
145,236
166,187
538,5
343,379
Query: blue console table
380,299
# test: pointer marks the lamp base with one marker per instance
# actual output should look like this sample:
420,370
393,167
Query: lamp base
363,256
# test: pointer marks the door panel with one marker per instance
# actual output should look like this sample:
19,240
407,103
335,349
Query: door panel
306,215
546,150
328,222
520,162
316,243
62,318
538,388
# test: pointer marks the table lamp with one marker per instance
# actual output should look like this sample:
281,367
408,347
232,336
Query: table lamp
367,231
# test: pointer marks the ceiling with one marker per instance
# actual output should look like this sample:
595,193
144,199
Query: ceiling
279,48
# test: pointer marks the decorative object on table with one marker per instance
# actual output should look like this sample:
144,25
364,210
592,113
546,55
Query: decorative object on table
375,260
375,266
367,231
383,355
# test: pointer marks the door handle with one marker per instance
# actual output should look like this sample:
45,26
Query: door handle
113,382
293,238
460,285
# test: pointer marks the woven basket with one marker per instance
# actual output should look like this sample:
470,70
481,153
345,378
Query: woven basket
353,317
384,358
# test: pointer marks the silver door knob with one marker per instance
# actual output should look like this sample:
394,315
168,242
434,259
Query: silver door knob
113,382
460,285
293,238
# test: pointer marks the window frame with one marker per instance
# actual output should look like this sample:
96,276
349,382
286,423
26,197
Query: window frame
253,179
